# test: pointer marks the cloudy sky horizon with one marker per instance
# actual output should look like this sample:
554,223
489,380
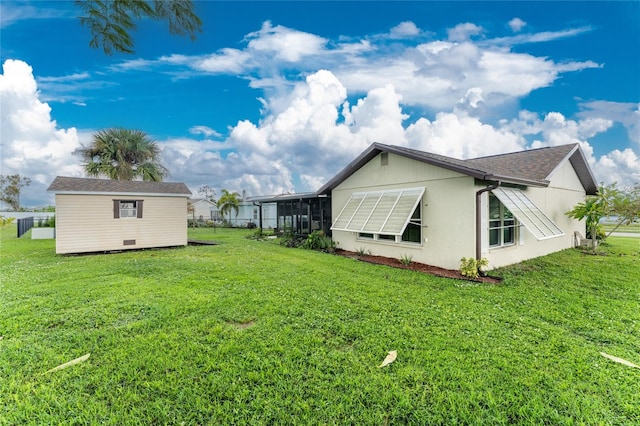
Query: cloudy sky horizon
277,97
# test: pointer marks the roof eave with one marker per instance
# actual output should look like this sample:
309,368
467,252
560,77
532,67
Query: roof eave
120,193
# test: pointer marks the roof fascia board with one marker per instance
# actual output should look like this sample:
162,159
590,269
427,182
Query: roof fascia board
119,194
578,157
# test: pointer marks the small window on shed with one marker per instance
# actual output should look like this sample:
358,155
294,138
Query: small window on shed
384,159
127,209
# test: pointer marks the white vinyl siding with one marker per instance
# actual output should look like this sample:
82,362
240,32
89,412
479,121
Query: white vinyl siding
528,213
86,223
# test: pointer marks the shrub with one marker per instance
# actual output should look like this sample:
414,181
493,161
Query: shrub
406,259
470,266
6,220
288,239
363,251
51,222
318,240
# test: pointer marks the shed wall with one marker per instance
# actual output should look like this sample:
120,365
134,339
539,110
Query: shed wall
85,223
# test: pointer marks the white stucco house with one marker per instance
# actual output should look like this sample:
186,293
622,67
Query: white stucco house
397,201
201,209
94,215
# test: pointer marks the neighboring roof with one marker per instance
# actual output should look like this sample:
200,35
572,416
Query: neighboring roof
200,200
74,185
283,197
530,168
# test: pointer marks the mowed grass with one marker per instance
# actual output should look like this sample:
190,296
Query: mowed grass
248,332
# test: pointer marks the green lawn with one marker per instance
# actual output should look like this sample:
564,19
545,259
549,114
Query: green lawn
248,332
632,228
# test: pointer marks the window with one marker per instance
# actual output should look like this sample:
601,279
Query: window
502,224
393,215
413,232
127,209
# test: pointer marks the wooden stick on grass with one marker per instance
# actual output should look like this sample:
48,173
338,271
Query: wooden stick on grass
70,363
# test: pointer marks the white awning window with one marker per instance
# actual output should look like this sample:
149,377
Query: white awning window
379,212
528,213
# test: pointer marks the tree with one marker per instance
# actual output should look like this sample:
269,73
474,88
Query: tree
208,192
10,188
229,201
626,206
594,208
123,154
112,21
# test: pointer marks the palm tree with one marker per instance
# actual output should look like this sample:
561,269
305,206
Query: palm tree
228,201
123,154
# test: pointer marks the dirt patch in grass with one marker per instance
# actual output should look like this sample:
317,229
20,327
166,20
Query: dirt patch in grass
241,325
416,266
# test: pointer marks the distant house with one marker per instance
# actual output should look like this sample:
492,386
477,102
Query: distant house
397,201
106,215
252,211
201,209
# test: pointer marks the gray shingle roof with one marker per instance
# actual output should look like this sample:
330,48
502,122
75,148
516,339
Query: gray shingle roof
64,184
530,168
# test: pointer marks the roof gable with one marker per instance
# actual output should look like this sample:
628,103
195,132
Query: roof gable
66,185
530,168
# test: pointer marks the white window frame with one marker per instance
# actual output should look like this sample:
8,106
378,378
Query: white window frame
128,212
503,216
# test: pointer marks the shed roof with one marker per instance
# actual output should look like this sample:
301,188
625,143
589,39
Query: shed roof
530,168
75,185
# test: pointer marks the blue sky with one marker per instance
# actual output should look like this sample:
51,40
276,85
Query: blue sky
277,97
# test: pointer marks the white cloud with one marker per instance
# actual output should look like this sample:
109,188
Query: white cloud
205,131
304,137
626,113
463,32
32,144
517,24
10,13
307,136
540,37
433,75
284,43
404,29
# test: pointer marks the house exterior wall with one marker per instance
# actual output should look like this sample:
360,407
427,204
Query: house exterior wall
202,208
85,223
448,213
562,194
448,206
247,212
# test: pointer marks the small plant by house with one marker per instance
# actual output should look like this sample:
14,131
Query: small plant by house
470,267
318,240
406,259
363,252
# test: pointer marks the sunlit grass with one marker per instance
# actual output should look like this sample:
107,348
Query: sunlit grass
250,332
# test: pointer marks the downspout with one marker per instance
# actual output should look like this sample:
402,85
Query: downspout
479,217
